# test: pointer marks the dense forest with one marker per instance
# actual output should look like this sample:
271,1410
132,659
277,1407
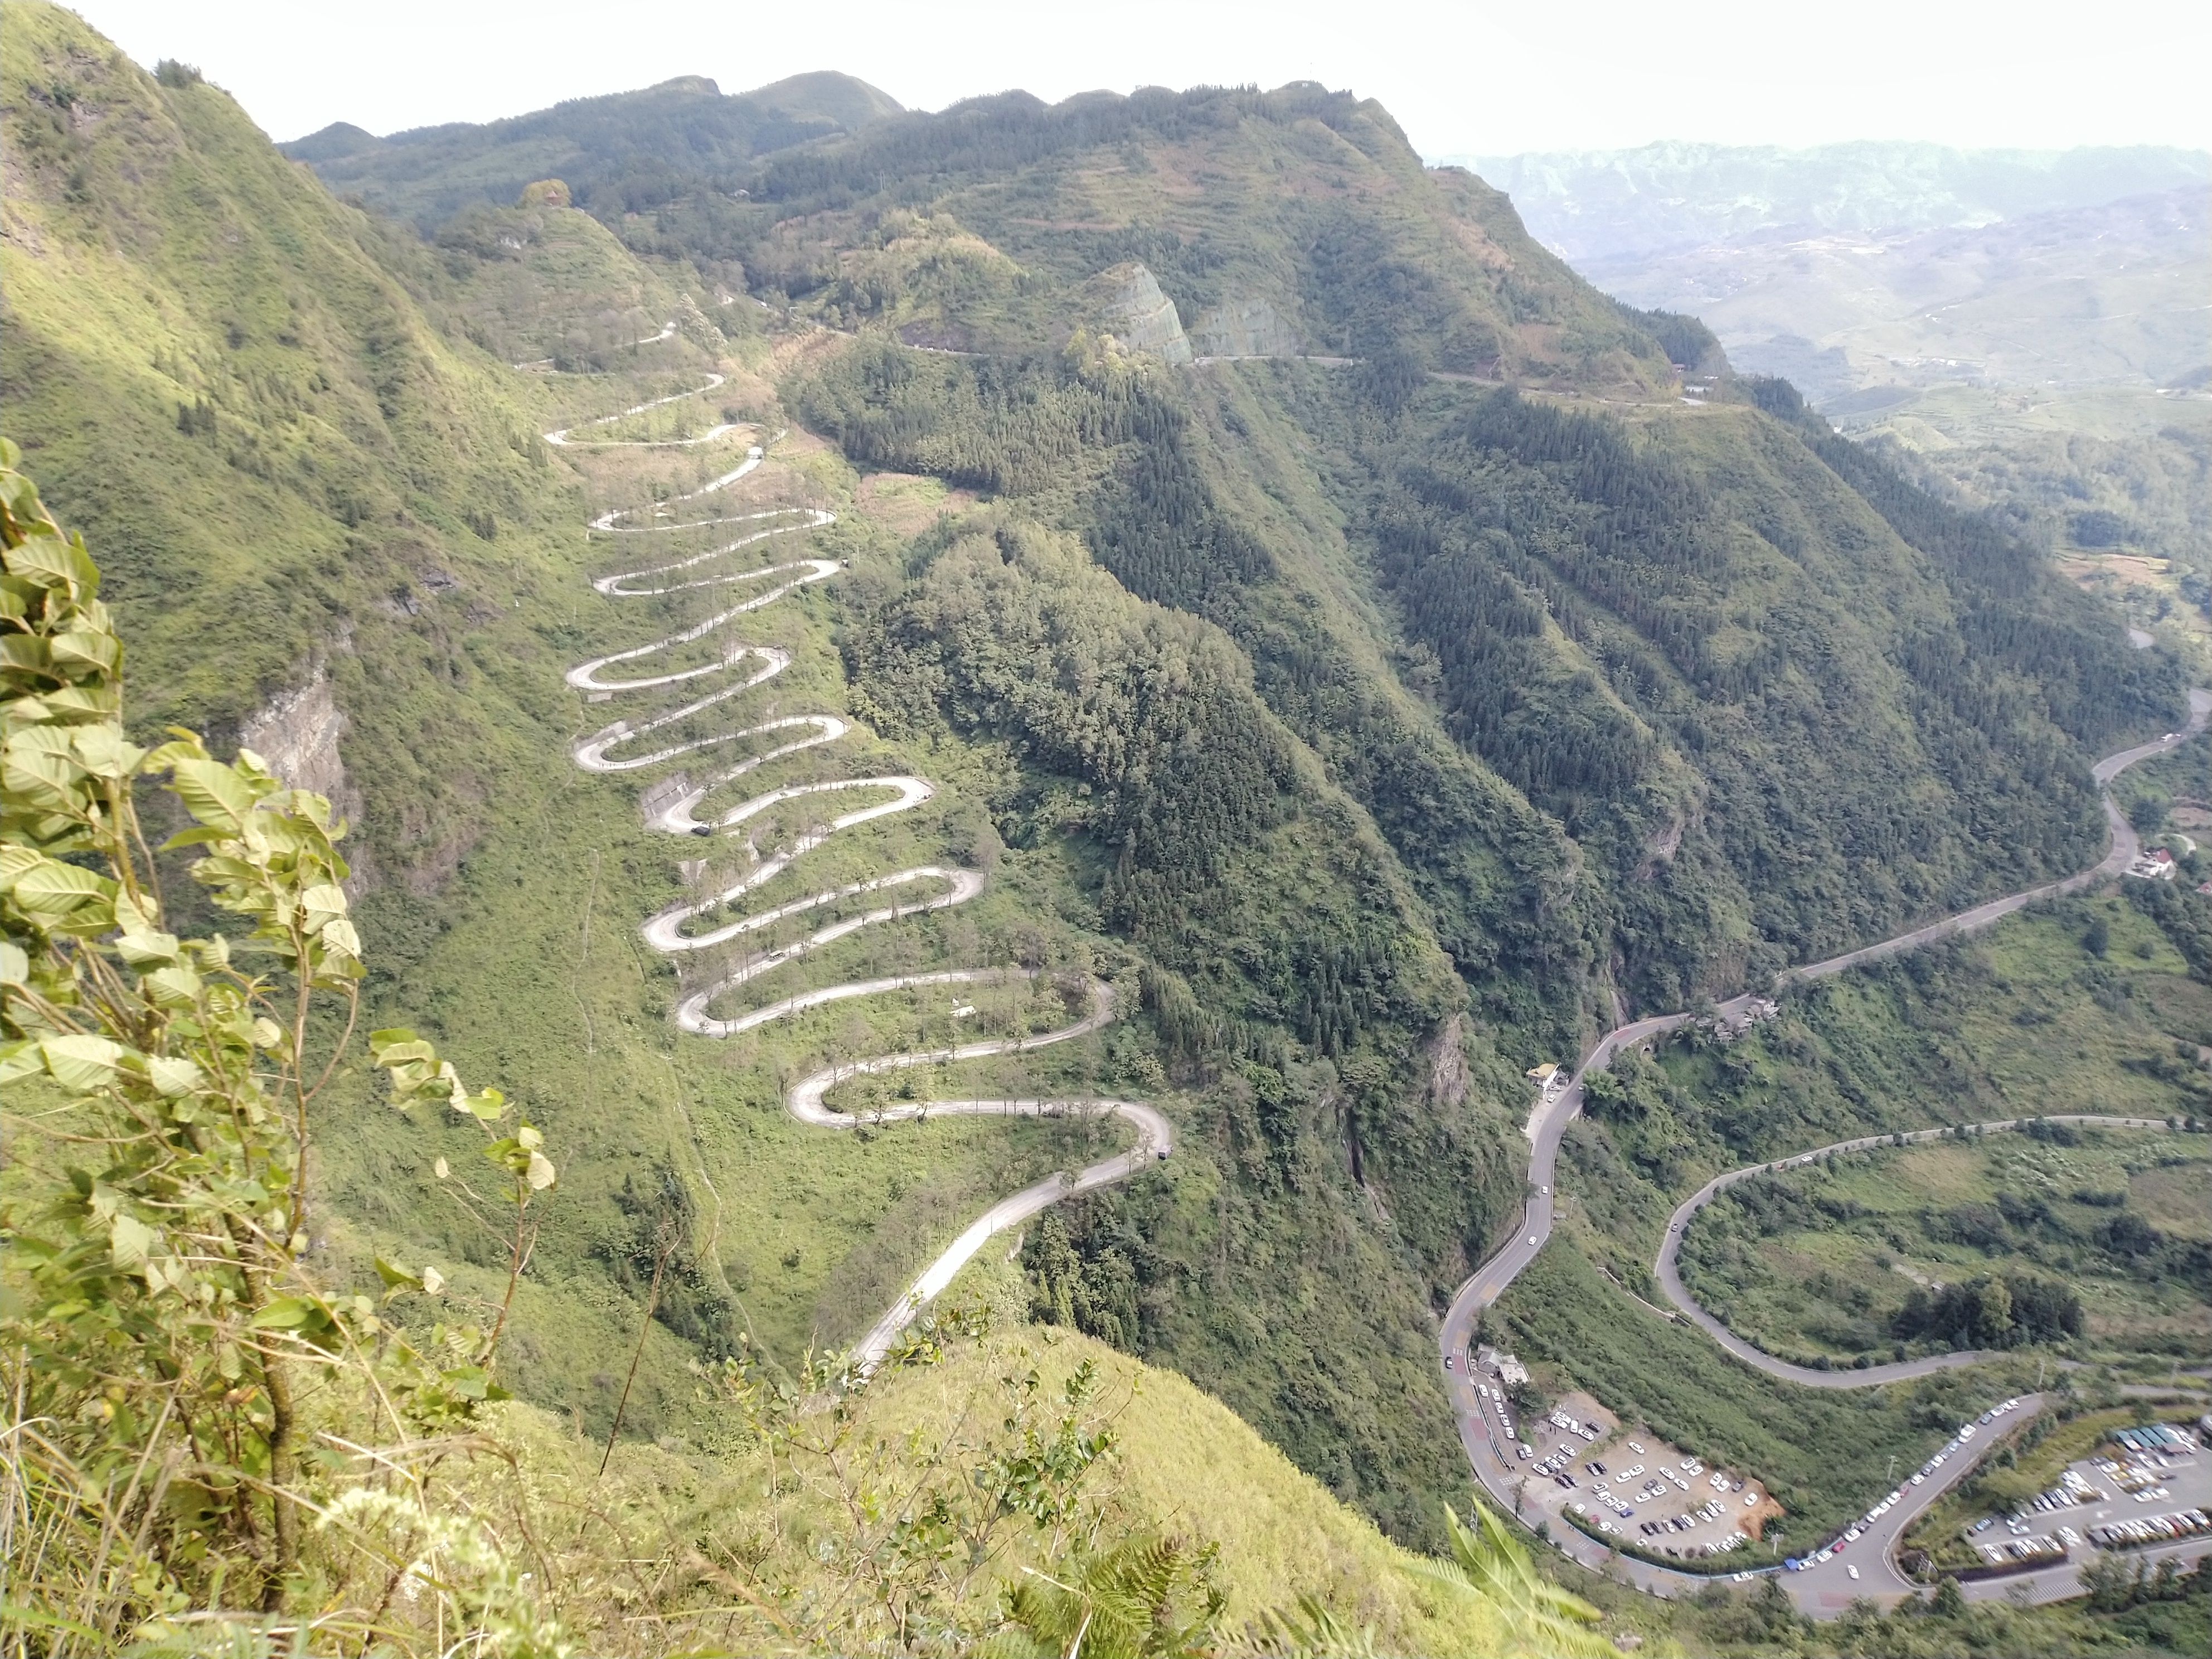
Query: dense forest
1597,630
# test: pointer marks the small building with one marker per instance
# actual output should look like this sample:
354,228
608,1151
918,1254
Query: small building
2156,864
1508,1370
1549,1077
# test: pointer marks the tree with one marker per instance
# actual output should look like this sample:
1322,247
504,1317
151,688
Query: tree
1993,1317
167,1352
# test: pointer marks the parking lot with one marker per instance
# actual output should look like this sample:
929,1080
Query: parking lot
1630,1486
2150,1486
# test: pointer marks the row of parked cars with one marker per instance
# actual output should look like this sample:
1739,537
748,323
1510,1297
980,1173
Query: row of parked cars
1857,1529
1495,1398
2152,1530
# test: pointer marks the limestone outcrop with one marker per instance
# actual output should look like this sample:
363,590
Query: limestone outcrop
1243,328
1130,305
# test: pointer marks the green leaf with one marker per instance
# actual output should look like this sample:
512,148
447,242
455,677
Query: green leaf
14,963
470,1381
214,794
395,1277
144,950
102,750
19,1060
175,987
80,1060
324,899
290,1313
173,1075
130,1241
55,563
81,647
61,898
397,1045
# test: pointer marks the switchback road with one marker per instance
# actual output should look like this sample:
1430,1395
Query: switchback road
705,924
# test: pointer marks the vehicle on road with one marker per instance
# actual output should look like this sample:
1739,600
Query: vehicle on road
1532,1239
1854,1572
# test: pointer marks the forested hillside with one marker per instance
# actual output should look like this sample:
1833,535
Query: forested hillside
1374,715
624,153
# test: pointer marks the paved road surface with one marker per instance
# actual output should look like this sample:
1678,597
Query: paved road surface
686,928
1670,1279
1495,1467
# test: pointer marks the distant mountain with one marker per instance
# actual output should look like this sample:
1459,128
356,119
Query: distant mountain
2110,292
1593,204
622,152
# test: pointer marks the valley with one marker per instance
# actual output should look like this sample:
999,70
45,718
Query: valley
2022,332
1468,1315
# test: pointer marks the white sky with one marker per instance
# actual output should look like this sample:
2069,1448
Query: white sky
1480,77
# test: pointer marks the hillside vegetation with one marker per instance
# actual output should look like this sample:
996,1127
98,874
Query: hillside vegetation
1371,733
331,1471
624,153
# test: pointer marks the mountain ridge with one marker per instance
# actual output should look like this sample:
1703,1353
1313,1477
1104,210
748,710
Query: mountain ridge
687,120
1676,194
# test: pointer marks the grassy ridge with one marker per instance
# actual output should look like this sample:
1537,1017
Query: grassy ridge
503,886
1174,704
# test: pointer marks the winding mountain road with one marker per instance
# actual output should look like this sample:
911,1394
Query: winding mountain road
708,923
1668,1269
1492,1464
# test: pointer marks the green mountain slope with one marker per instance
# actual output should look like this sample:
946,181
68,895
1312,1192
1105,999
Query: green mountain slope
616,151
226,379
434,628
1369,731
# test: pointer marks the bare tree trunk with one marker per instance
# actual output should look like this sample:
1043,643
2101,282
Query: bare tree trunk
664,1246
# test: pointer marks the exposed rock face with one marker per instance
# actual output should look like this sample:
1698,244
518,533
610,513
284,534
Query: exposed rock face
1243,328
297,733
1141,316
1448,1075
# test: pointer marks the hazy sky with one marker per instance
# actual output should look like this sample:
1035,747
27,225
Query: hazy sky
1470,77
